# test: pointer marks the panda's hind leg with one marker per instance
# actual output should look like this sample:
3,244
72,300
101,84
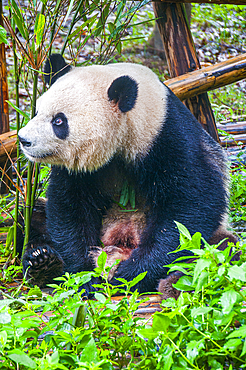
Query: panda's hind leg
166,285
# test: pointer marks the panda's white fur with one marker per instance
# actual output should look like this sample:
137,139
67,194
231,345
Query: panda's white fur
89,111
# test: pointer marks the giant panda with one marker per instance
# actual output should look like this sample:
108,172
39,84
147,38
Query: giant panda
105,128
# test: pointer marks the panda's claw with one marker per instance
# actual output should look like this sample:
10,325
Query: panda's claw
42,264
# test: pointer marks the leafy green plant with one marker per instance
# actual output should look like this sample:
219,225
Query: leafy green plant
204,329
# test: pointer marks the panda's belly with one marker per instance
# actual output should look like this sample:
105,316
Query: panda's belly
123,228
120,235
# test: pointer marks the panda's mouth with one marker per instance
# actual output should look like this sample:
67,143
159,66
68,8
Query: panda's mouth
36,157
42,156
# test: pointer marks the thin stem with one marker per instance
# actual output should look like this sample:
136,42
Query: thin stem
181,353
35,185
29,205
71,26
17,102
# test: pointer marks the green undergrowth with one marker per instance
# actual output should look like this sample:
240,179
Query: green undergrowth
204,329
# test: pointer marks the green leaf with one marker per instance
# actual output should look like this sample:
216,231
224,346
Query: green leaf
160,322
237,272
233,344
21,358
89,353
24,114
192,349
131,192
201,281
228,299
182,230
200,311
147,333
5,318
244,349
214,365
69,10
102,258
124,197
39,29
241,332
54,358
167,357
3,34
201,265
79,316
3,337
184,283
36,291
18,19
10,237
221,270
137,279
100,297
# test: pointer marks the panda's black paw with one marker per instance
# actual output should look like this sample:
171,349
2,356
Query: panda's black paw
41,264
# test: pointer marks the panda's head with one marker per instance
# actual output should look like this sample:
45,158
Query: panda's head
89,114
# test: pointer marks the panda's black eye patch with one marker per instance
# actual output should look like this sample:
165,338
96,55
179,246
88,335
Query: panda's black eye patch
60,126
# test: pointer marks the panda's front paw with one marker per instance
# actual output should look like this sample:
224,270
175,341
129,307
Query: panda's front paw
42,264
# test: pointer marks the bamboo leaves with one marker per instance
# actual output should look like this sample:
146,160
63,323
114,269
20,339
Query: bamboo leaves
39,30
3,33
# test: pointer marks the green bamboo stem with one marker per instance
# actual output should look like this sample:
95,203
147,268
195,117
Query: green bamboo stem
34,187
71,26
17,102
29,204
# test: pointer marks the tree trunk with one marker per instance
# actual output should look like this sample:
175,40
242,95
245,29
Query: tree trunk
181,57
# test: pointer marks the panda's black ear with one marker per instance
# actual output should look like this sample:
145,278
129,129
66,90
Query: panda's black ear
124,92
55,67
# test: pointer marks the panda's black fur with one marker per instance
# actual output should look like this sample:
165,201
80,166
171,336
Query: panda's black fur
181,177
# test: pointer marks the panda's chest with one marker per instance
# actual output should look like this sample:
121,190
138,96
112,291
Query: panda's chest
125,221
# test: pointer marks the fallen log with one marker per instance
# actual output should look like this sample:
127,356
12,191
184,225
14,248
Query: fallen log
8,144
209,78
234,2
233,141
233,128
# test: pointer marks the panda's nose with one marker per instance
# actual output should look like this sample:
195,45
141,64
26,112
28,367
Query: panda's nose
24,142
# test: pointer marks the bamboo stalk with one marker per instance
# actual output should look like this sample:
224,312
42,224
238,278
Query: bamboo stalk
17,102
28,207
209,78
71,26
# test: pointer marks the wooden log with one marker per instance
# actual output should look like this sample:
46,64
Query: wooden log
233,2
209,78
231,142
233,128
8,144
181,57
